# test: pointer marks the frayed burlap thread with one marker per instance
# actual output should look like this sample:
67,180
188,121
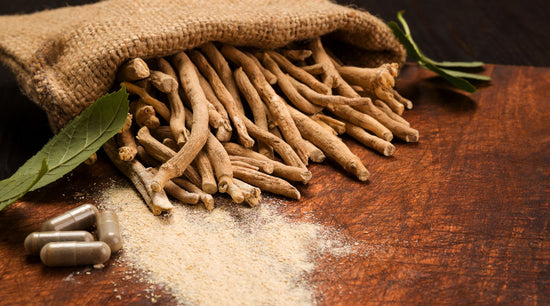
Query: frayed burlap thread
66,58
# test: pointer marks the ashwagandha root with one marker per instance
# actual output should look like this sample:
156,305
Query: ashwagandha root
133,70
338,126
270,77
288,89
296,55
363,120
199,133
265,166
241,121
217,115
274,102
378,81
157,201
224,71
204,197
147,159
408,103
177,192
163,82
144,114
297,174
203,166
177,110
386,109
222,166
224,96
383,147
159,107
236,163
256,107
315,69
252,195
330,144
162,153
300,74
127,144
181,194
266,182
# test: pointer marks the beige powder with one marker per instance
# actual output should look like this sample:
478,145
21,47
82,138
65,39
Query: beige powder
233,255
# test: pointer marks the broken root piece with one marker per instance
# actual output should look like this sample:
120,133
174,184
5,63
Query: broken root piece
133,70
370,141
266,182
176,165
204,197
252,195
157,201
331,145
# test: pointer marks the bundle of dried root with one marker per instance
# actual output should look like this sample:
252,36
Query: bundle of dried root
223,119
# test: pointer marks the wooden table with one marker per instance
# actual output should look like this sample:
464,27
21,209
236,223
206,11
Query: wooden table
461,217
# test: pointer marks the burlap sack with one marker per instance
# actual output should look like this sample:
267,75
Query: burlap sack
66,58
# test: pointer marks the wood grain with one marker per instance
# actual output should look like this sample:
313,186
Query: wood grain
461,217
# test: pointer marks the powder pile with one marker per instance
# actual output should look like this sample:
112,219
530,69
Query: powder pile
233,255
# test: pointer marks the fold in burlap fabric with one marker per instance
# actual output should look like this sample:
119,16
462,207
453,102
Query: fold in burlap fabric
66,58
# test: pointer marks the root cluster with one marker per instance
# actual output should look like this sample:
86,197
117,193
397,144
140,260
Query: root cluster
240,121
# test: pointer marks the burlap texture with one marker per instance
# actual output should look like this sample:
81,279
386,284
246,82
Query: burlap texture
66,58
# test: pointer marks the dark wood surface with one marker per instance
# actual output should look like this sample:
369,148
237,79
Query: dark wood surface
461,217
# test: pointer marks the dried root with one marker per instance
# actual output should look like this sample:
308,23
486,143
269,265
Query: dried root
133,70
127,144
243,121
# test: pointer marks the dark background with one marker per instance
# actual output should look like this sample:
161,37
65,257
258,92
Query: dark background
497,32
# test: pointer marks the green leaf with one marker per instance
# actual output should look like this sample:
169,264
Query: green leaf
446,64
455,77
12,188
466,75
81,137
407,42
404,23
457,82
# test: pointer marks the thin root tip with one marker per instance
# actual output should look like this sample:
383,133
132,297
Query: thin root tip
318,157
413,137
359,170
387,136
295,194
363,176
306,176
389,150
208,201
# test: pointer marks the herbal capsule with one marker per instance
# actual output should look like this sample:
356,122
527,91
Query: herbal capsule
74,253
78,218
35,241
108,230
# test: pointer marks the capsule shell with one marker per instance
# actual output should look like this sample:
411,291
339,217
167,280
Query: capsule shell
35,241
79,218
74,253
108,230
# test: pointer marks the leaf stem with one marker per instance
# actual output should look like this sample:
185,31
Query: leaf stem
445,69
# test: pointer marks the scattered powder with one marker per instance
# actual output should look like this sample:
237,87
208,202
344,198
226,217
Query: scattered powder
233,255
